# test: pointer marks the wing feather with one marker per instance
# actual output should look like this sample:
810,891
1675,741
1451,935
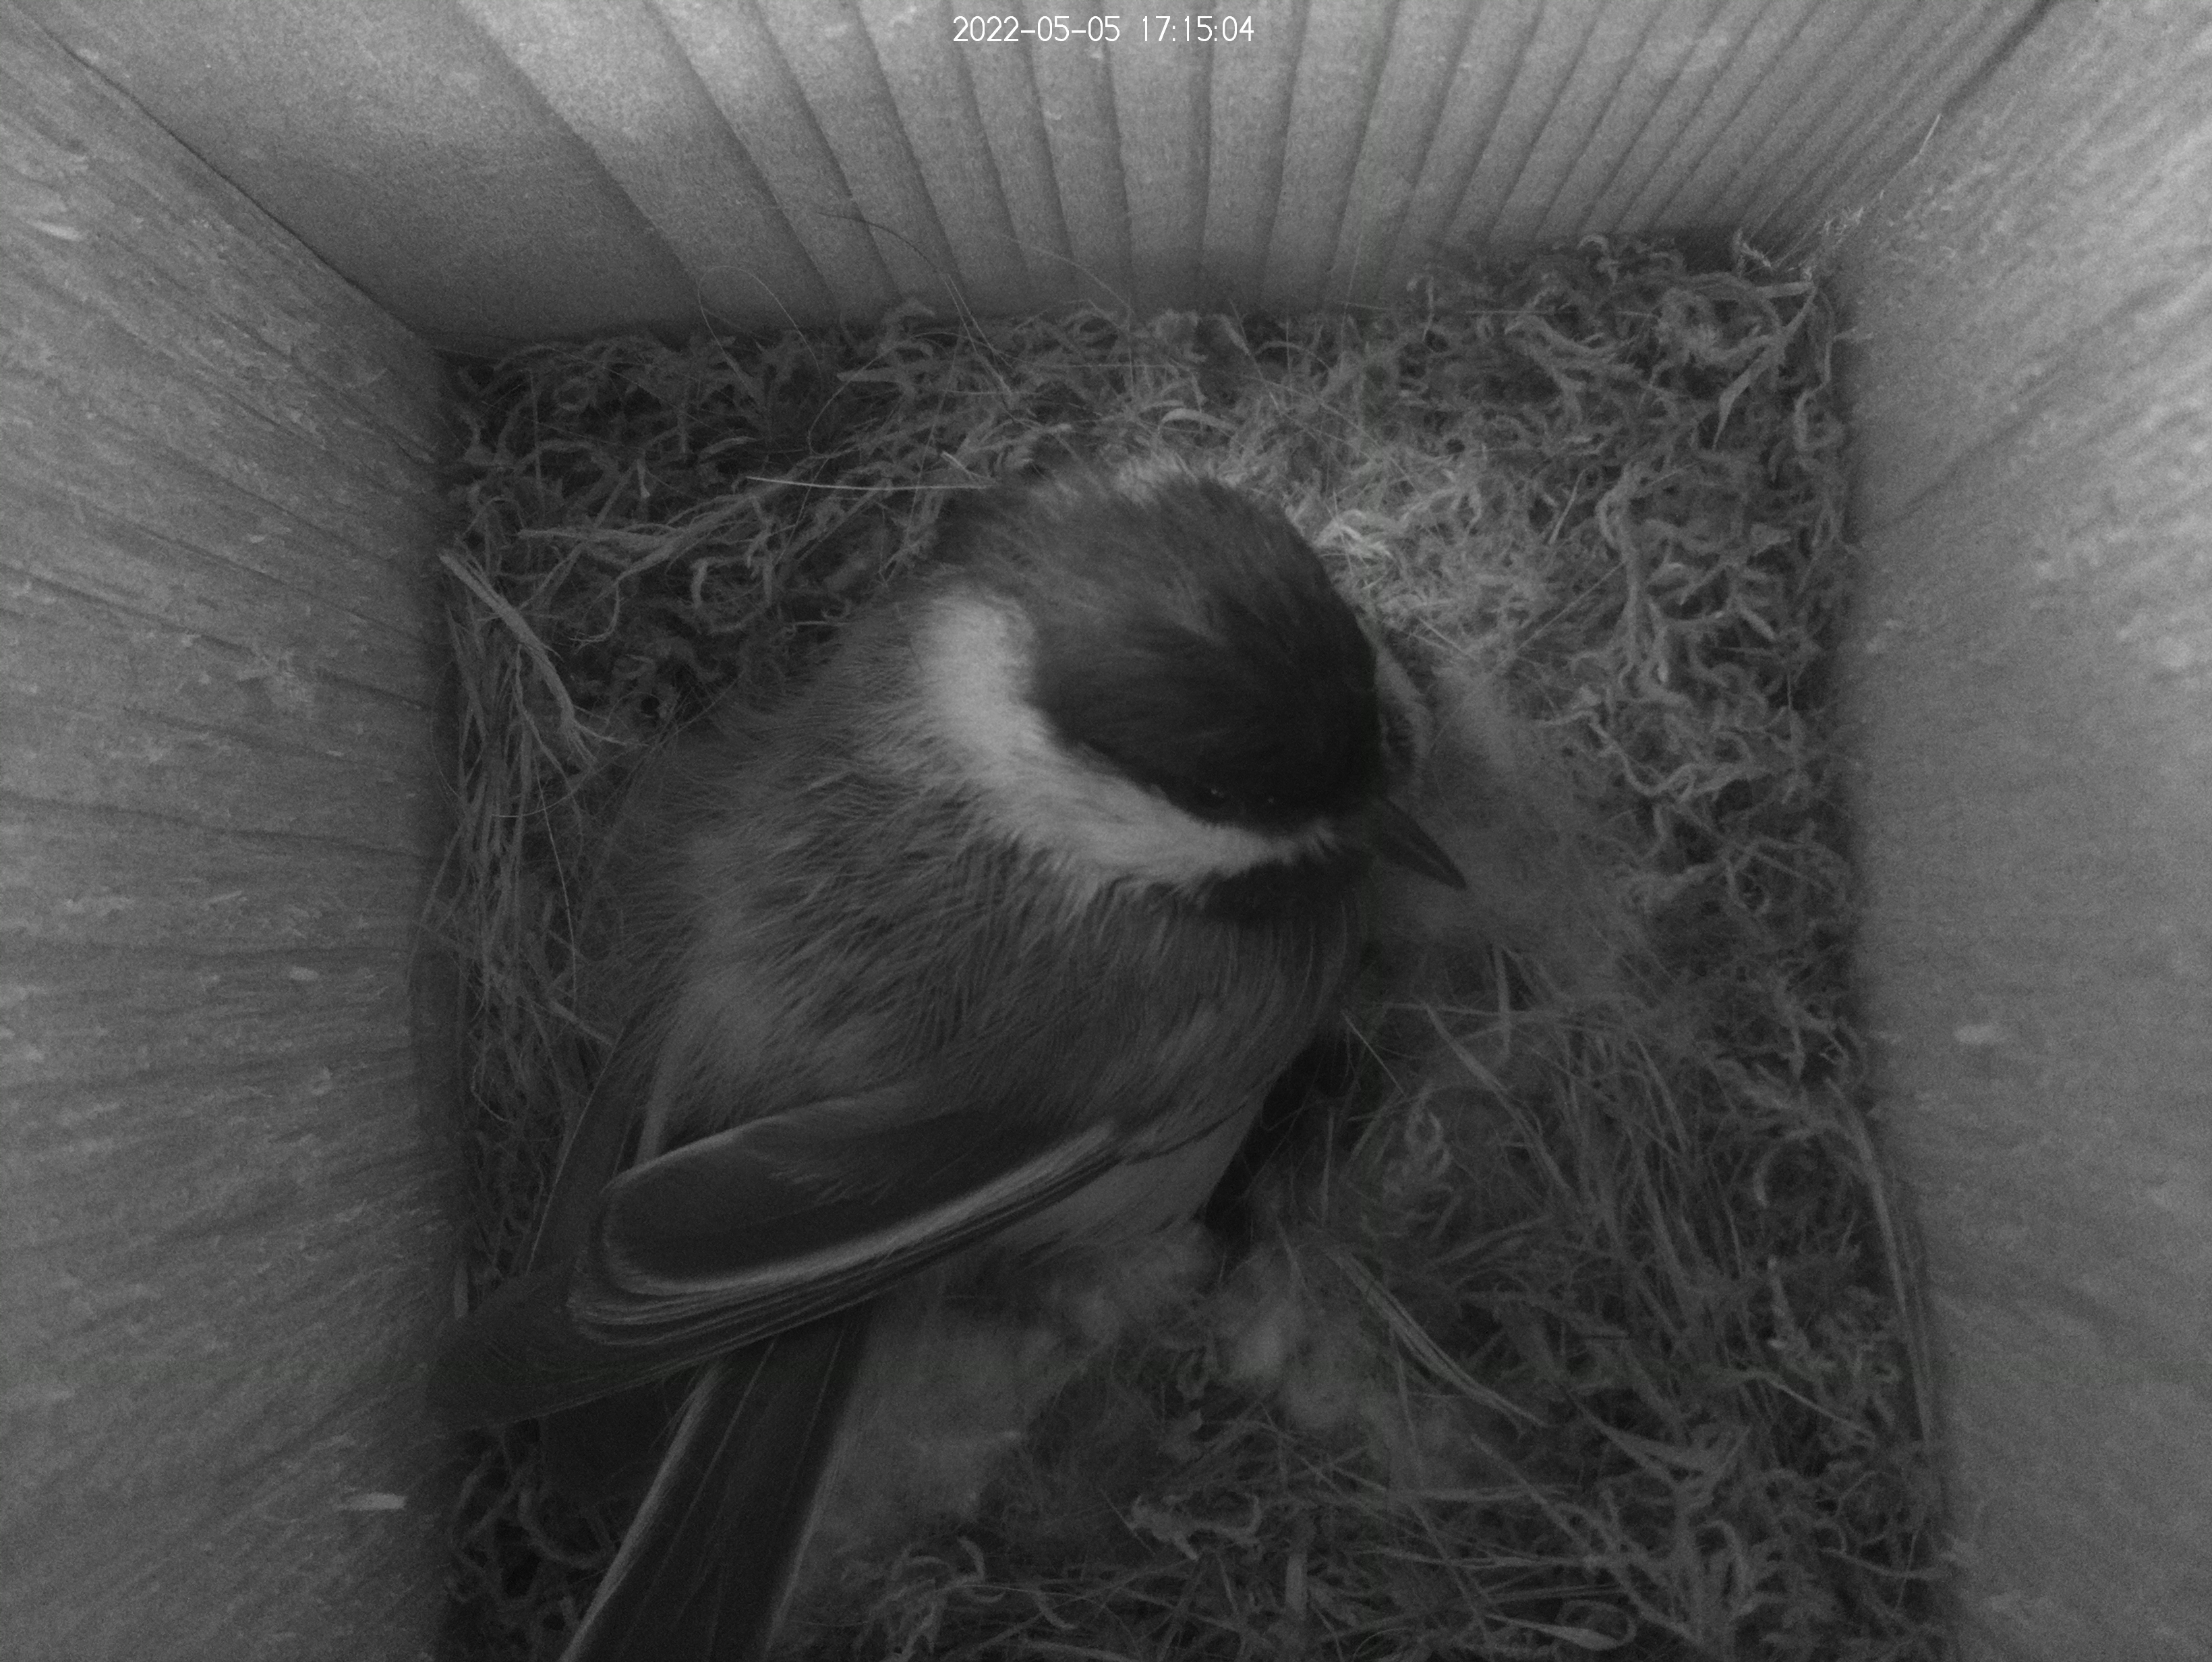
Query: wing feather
748,1233
706,1563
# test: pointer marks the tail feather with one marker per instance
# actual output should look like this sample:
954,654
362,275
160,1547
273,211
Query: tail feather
703,1572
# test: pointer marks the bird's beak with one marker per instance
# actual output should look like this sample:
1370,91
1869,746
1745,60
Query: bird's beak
1397,836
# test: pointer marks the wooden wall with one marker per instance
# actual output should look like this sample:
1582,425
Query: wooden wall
515,169
220,1237
2032,668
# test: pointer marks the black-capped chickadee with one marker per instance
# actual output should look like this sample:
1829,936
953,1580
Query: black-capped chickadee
997,929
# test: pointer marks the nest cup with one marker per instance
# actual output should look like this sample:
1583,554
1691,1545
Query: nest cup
1574,1296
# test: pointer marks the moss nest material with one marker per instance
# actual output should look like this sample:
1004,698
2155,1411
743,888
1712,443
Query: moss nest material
1567,1318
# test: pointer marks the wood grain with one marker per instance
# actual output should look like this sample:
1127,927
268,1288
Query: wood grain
505,170
224,1223
2031,684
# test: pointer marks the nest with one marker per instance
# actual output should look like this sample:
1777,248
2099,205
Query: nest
1569,1319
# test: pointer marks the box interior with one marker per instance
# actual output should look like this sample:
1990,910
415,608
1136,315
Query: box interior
235,236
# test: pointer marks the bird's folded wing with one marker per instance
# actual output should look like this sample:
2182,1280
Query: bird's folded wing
751,1232
706,1562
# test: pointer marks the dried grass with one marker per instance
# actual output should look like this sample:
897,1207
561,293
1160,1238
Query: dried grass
1574,1324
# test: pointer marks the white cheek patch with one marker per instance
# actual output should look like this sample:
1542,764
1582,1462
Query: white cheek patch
976,662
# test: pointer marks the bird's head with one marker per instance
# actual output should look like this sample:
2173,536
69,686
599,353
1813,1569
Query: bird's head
1151,671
